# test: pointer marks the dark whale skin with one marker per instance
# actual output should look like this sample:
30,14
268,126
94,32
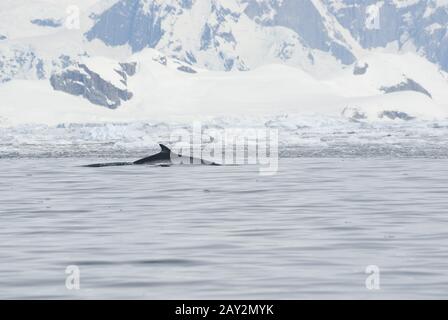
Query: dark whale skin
163,159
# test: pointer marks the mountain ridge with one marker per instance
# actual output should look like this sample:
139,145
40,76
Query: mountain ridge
327,42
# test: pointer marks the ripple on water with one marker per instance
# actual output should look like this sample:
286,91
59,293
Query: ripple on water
226,232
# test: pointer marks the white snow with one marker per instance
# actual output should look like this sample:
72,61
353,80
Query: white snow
106,68
295,86
164,93
405,3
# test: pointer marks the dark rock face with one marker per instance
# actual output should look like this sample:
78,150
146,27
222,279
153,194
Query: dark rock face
408,85
360,70
81,81
2,37
129,68
40,69
20,61
47,23
393,115
127,22
421,22
302,17
186,69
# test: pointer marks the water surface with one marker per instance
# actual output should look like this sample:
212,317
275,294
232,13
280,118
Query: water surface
224,232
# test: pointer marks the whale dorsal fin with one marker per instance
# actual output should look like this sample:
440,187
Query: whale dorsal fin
164,148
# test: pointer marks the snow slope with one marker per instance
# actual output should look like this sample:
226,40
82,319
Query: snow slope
281,57
163,92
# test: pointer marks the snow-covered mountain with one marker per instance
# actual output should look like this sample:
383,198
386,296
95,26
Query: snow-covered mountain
401,25
224,35
178,57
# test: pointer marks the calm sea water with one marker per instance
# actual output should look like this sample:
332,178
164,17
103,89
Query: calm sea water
225,232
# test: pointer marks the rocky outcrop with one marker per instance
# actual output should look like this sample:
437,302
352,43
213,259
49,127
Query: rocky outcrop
20,62
407,85
47,23
79,80
130,68
135,23
186,69
394,115
353,114
360,69
298,16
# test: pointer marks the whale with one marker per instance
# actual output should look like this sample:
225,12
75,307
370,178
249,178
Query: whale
165,158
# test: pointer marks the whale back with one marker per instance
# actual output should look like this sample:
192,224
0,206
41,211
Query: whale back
163,156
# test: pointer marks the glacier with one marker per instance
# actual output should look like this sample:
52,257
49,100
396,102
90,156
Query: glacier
219,58
392,135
